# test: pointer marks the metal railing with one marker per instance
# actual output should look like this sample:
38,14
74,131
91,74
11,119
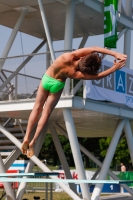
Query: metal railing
21,75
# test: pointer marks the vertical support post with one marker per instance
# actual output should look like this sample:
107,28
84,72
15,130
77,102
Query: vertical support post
9,192
108,159
69,35
48,57
76,151
51,191
84,81
46,190
129,137
119,5
84,89
11,92
16,87
31,164
127,35
46,28
61,156
12,37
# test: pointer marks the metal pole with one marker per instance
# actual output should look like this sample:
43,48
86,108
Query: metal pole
84,81
21,66
39,163
16,87
61,155
127,35
84,89
51,191
84,39
119,6
69,34
46,190
11,93
12,37
77,87
129,137
94,159
46,29
76,151
8,188
108,159
48,57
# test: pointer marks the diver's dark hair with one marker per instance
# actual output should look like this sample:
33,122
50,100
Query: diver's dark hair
90,64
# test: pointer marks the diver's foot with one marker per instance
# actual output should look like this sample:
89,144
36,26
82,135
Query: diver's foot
30,151
24,147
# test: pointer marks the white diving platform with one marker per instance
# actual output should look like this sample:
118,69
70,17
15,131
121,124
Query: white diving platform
92,118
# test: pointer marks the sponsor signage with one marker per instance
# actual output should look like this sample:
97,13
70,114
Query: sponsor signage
117,87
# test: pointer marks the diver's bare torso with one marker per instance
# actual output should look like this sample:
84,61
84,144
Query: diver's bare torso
65,66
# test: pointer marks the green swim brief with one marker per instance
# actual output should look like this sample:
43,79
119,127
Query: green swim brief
51,84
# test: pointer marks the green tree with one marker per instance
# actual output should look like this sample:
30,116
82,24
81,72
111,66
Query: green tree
49,152
121,153
92,145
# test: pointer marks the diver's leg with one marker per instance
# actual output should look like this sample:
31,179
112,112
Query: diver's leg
51,102
42,95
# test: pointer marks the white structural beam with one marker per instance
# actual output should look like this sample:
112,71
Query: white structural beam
70,102
68,38
39,163
76,151
8,188
46,28
129,137
93,158
108,159
11,158
61,155
12,37
121,33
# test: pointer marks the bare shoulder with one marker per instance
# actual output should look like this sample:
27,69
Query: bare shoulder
67,57
64,59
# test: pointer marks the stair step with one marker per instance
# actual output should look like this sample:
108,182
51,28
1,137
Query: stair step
7,141
15,134
5,153
7,147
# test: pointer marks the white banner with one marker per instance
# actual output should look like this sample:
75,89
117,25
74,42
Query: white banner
117,87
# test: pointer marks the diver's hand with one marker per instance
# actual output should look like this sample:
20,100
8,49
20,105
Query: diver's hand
120,56
118,65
